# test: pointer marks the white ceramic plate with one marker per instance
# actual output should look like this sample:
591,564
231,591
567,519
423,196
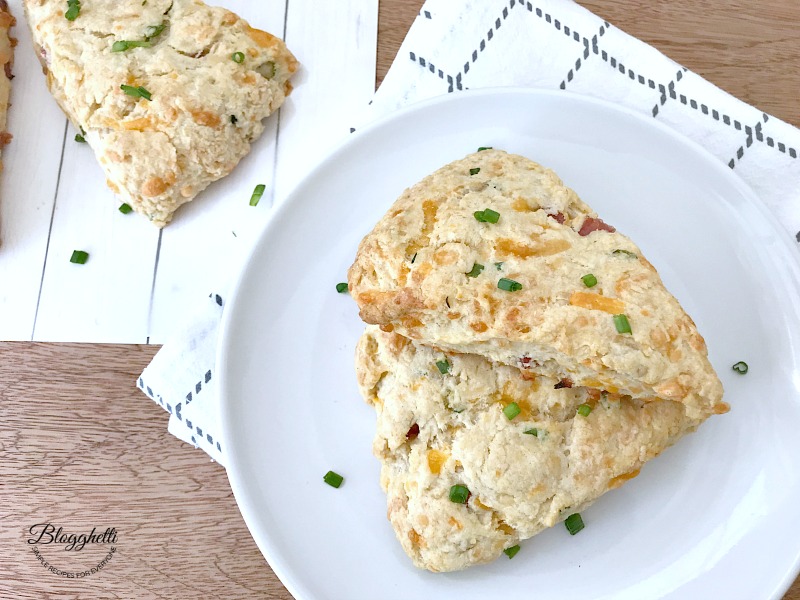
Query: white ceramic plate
714,517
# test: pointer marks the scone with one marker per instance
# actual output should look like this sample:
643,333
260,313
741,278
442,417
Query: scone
443,421
7,44
493,255
170,94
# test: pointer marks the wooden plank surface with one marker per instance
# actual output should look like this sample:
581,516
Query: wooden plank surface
80,446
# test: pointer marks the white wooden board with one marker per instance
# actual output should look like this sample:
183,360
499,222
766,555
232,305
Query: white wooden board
140,284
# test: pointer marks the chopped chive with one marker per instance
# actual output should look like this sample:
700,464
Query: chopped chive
499,266
534,432
459,494
509,285
443,366
584,410
80,139
740,367
413,258
622,324
238,57
333,479
342,288
475,171
73,10
589,280
257,193
511,552
574,523
482,148
125,208
79,257
154,30
620,252
476,270
486,216
136,92
123,45
491,216
512,410
234,120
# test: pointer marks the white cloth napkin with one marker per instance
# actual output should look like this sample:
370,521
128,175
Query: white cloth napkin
553,44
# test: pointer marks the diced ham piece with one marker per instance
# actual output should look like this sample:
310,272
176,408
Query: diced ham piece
591,224
564,383
558,217
413,432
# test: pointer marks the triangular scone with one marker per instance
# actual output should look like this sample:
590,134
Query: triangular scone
437,430
513,290
7,44
200,82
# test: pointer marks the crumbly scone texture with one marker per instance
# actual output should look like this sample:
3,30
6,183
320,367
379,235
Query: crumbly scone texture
205,108
7,44
519,483
411,276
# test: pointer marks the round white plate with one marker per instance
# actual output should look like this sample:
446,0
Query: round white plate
714,517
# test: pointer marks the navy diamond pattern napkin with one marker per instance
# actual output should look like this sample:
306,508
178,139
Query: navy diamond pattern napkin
552,44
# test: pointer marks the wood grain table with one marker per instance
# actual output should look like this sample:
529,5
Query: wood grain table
81,447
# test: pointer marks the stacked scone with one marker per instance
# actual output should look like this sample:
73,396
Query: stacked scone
523,358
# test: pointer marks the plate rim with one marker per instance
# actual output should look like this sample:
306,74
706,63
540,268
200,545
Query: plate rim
268,549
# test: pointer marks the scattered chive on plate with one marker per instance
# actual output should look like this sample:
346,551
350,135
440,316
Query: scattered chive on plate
333,479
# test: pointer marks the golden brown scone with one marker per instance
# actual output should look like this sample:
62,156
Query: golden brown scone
430,270
7,44
202,81
436,430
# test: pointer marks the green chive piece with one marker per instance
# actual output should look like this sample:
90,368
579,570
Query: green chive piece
80,139
257,193
622,324
740,367
79,257
413,258
476,270
482,148
574,523
136,92
342,288
443,366
234,120
498,266
584,410
238,57
475,171
125,208
534,432
512,410
459,494
154,31
511,552
491,216
123,45
509,285
333,479
73,10
620,252
486,216
589,280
